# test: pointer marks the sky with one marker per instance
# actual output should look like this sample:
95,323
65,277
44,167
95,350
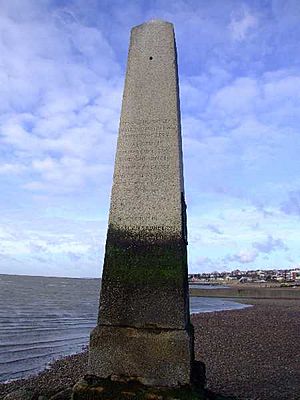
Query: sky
62,70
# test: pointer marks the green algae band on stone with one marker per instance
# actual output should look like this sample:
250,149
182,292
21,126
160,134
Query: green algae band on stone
144,329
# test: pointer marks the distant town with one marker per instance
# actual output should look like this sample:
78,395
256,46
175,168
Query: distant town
282,276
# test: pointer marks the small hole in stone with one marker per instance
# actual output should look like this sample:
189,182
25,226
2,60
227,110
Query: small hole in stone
150,58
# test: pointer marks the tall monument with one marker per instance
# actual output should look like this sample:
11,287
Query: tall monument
144,329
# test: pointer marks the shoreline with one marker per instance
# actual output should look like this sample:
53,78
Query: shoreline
248,292
249,353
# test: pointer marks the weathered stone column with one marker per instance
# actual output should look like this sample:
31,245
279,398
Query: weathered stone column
144,329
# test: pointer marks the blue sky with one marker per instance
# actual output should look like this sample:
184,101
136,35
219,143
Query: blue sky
62,68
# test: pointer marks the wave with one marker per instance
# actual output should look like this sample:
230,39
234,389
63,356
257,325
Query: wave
66,339
8,351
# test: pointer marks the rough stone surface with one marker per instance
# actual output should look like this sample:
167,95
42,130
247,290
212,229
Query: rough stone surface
93,388
141,353
144,282
146,247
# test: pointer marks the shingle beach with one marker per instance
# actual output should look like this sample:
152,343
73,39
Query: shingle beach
253,353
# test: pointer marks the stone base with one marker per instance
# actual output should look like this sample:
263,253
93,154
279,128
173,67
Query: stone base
93,388
154,357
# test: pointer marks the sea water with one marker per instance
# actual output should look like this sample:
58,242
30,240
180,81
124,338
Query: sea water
43,319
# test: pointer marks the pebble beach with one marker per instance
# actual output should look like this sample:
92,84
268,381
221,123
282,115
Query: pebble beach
250,354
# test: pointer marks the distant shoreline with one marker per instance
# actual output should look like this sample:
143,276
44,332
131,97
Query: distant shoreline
48,276
252,292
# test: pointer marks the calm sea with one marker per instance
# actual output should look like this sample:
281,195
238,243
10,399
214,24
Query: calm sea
43,319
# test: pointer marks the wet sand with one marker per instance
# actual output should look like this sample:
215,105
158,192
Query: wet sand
253,353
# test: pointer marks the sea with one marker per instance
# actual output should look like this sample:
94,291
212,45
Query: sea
43,319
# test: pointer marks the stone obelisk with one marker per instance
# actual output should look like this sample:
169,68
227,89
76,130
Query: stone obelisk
144,329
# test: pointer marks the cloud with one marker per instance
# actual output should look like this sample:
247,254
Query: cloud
51,243
292,205
9,168
270,244
241,24
70,172
244,257
240,96
262,209
214,229
202,261
61,99
204,264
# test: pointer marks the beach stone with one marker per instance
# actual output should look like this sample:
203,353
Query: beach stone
153,396
65,394
128,394
87,390
144,330
20,394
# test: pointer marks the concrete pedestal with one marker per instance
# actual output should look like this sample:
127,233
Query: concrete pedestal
126,353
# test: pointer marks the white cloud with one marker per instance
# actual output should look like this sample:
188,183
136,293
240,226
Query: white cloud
241,24
61,98
270,244
214,229
239,96
66,174
244,256
291,206
54,243
8,168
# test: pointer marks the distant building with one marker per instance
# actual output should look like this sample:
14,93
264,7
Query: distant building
295,275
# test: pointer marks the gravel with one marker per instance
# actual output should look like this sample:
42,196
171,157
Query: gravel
253,353
62,373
